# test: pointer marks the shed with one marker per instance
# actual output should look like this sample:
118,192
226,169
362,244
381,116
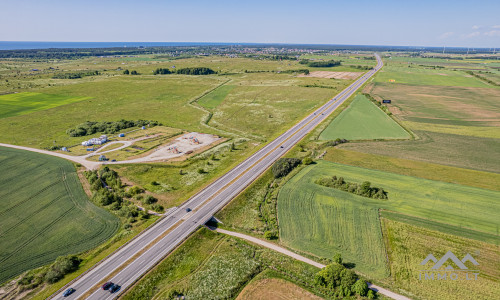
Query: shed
121,135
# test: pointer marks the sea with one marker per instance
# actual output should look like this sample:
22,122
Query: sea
11,45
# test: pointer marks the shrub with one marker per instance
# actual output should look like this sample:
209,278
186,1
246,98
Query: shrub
135,190
283,166
360,288
307,161
62,266
149,200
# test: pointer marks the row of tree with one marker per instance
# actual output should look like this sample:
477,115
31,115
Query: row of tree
75,75
91,127
133,72
283,166
185,71
320,64
365,189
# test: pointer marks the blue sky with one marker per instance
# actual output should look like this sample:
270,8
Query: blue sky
406,23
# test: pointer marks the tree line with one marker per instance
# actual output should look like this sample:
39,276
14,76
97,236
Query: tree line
91,127
365,189
75,75
185,71
320,64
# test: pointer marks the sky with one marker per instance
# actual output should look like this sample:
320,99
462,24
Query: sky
403,23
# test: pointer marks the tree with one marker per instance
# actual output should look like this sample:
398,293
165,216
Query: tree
370,294
307,161
360,287
126,72
134,72
283,166
150,200
337,258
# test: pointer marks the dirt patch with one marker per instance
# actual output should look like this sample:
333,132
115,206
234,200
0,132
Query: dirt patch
274,288
334,75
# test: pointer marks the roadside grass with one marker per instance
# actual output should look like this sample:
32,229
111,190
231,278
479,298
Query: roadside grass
45,213
214,98
476,131
214,266
408,245
363,120
485,180
475,153
28,102
454,204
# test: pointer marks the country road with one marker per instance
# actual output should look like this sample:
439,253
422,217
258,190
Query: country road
129,263
277,248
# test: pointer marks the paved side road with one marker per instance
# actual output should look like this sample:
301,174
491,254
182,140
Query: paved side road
274,247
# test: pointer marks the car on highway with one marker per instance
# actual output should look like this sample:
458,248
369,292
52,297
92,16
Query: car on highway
188,209
107,285
69,292
114,288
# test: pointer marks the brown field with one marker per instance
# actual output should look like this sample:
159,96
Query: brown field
334,75
274,288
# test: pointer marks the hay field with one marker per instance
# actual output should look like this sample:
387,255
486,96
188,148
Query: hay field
44,212
363,120
274,288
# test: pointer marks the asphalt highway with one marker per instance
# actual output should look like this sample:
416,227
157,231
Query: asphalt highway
130,262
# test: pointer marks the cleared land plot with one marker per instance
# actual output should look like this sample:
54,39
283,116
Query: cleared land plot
414,168
363,120
322,222
469,152
453,204
408,245
28,102
274,288
421,76
44,212
335,75
214,98
441,105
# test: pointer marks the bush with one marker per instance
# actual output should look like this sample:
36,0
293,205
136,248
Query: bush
201,171
360,287
89,128
269,235
158,208
307,161
149,200
283,166
135,190
62,266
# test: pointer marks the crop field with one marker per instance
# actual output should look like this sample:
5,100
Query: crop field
214,98
274,288
454,204
44,213
408,245
315,221
25,103
363,120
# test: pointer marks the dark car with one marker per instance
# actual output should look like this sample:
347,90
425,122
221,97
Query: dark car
188,209
107,285
114,288
68,292
281,146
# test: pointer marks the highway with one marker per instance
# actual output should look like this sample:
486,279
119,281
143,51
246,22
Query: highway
130,262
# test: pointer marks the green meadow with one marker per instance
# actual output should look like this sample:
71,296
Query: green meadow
363,120
214,98
27,102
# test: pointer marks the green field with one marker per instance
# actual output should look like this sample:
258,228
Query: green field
214,98
323,221
44,213
363,120
408,245
315,221
27,102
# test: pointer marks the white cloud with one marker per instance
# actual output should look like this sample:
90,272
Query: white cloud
476,27
446,35
496,26
471,35
492,33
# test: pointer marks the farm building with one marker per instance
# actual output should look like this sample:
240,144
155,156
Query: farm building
96,141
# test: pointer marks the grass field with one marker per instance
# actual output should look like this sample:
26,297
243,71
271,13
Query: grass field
44,213
214,98
408,245
363,120
414,168
27,102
